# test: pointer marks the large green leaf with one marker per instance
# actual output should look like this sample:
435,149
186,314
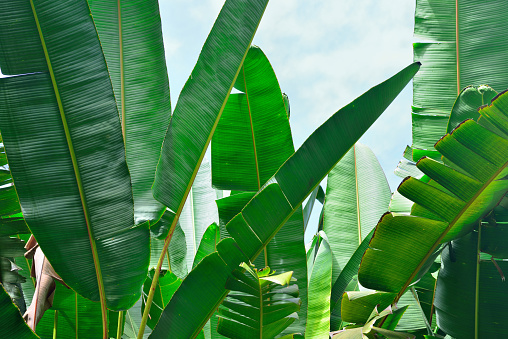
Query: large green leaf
203,99
471,296
257,306
445,208
200,294
357,193
131,38
253,137
265,214
73,316
468,48
63,137
12,324
318,316
252,140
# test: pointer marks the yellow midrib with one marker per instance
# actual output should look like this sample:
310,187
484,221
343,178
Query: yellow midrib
77,173
457,44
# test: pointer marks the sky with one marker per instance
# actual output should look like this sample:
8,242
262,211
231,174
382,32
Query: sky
324,53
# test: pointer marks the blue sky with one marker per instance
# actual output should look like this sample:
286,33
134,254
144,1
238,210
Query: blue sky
325,54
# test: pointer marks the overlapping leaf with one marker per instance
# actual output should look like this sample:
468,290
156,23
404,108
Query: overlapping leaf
63,136
258,305
466,52
131,39
357,193
265,214
445,208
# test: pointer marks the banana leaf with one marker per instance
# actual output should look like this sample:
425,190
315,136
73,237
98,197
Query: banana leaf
267,212
285,252
252,140
446,208
12,324
463,42
203,99
199,212
471,296
467,103
253,137
131,38
63,137
357,193
258,305
320,278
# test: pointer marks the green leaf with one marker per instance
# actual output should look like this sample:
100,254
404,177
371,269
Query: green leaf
11,323
11,247
269,209
350,123
68,162
342,282
74,316
257,307
288,257
176,252
253,137
167,285
357,193
202,100
200,294
460,282
208,243
445,208
319,195
318,316
467,104
131,39
449,64
357,306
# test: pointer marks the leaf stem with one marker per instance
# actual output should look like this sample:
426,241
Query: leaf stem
120,323
477,292
55,324
155,279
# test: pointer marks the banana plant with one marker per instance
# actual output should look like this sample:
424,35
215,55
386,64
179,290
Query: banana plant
75,166
449,206
257,223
